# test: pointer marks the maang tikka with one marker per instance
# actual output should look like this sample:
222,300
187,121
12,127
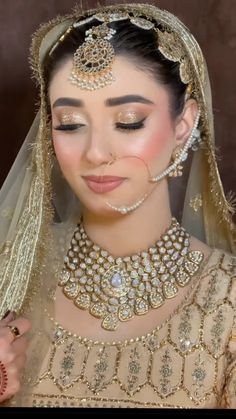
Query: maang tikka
93,60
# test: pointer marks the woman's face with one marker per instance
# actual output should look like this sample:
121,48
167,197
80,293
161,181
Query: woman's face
109,141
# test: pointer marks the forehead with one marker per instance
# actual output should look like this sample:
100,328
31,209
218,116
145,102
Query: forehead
129,79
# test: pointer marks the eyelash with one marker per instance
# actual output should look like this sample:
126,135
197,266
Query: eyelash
68,127
131,127
118,125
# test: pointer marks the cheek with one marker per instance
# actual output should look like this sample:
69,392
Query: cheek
156,147
67,153
156,142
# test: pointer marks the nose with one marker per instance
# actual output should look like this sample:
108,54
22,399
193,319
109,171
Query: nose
98,149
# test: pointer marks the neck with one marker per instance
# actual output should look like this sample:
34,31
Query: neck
134,232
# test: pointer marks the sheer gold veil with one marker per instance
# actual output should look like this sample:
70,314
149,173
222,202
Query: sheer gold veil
38,211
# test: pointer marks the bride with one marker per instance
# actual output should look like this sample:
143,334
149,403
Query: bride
117,254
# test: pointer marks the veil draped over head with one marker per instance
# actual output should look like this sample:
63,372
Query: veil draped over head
38,211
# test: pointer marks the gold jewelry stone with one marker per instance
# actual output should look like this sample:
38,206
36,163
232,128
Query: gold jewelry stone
92,61
14,330
117,289
170,46
178,170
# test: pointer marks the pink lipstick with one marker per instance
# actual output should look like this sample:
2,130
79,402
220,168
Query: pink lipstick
103,184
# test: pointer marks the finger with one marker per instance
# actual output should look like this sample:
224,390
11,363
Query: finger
22,326
3,378
20,362
16,349
8,317
6,314
19,346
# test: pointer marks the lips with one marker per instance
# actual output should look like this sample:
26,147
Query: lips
103,184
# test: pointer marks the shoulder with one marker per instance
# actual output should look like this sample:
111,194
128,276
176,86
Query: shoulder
217,283
218,276
215,296
218,260
196,244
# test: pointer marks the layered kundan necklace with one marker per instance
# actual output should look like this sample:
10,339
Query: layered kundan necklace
117,289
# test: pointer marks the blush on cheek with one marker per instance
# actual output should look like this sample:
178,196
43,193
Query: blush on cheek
65,153
155,147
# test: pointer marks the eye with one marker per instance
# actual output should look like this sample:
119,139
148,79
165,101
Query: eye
129,127
68,127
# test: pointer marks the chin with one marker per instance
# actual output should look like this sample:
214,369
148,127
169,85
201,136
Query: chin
100,209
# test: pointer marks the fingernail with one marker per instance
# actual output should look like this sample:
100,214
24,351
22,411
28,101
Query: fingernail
6,314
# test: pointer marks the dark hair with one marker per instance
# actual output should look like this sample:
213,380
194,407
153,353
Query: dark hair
138,45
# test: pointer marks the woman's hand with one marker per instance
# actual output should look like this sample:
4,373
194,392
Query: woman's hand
13,345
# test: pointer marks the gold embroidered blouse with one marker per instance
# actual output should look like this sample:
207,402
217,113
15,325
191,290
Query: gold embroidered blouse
187,362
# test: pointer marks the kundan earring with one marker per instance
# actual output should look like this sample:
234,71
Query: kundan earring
178,170
175,168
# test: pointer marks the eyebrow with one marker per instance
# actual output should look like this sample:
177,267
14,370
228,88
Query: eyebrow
116,101
68,101
127,99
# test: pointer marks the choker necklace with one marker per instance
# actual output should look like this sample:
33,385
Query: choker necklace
117,289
